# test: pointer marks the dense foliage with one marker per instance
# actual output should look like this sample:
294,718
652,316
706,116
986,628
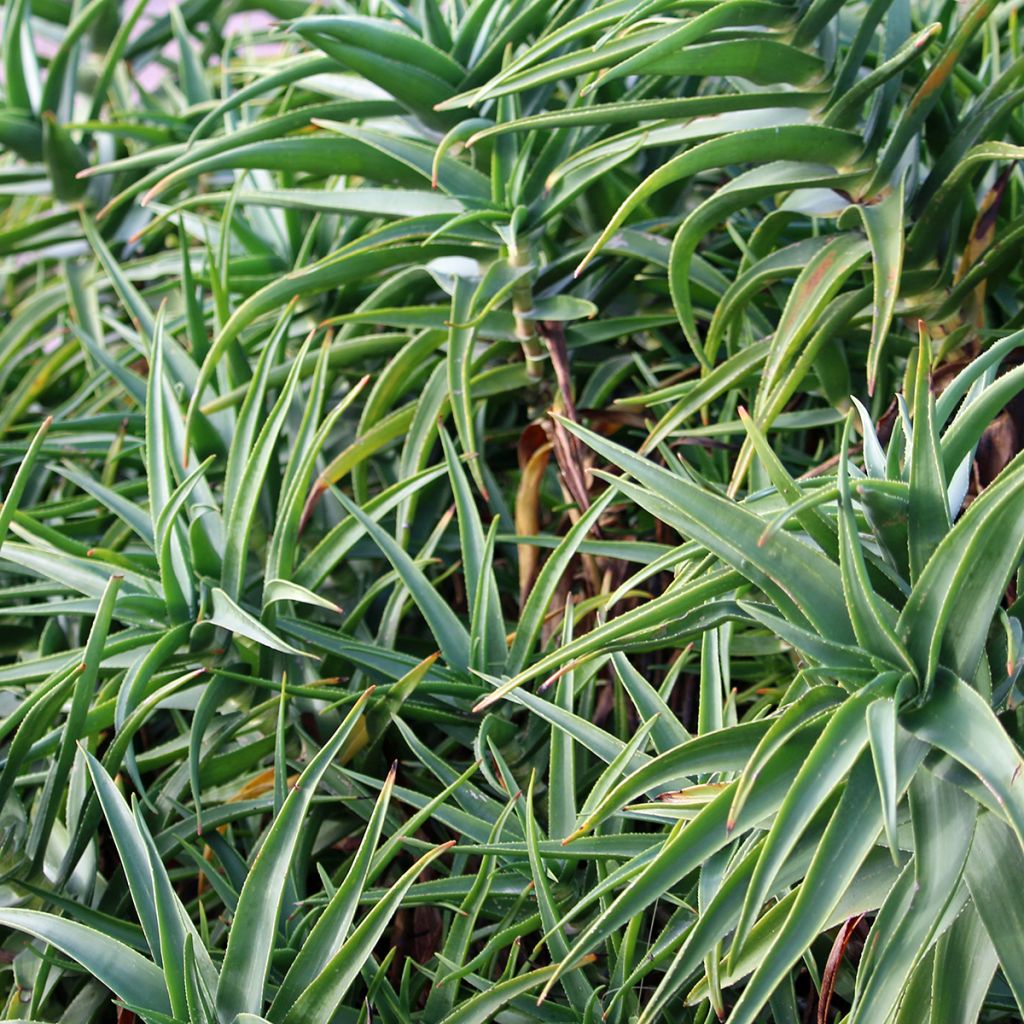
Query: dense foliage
512,511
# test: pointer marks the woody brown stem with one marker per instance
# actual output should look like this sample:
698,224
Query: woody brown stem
522,309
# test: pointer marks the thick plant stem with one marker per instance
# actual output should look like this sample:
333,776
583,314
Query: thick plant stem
522,308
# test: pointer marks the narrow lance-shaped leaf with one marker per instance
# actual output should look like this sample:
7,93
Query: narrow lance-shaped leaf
959,721
55,789
251,939
238,521
21,478
947,617
929,511
135,979
816,285
883,223
481,1008
331,929
685,849
732,14
762,145
817,703
449,632
481,587
881,716
995,869
829,762
457,943
237,620
667,731
873,618
321,999
848,839
575,985
943,820
807,593
786,173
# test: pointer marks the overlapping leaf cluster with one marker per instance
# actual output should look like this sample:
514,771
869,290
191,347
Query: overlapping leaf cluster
511,511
